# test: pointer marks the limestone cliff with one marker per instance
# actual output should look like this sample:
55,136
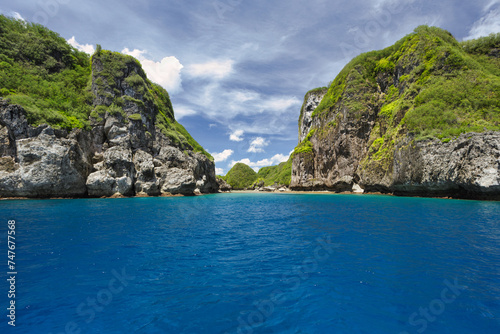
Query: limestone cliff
40,161
311,102
139,147
132,146
418,118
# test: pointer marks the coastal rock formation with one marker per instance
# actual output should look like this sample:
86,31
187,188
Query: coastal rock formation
74,125
39,162
468,166
418,119
125,152
223,185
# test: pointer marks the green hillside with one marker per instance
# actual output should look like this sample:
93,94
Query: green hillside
280,174
240,176
44,74
427,85
52,80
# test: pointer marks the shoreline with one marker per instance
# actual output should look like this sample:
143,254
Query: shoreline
293,192
115,196
328,192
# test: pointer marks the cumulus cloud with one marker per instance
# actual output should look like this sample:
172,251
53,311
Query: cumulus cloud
219,171
217,69
246,161
257,145
222,156
166,72
87,48
489,23
274,160
236,135
139,54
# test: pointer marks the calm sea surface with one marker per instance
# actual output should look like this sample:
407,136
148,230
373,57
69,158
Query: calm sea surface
253,263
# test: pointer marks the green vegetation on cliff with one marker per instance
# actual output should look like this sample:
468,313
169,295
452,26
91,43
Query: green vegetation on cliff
109,67
240,176
427,85
305,146
52,80
440,87
280,174
44,74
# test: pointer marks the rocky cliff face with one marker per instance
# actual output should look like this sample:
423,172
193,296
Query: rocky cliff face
132,148
41,161
467,167
373,131
340,160
223,185
311,102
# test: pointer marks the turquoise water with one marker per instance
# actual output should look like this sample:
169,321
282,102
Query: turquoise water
254,263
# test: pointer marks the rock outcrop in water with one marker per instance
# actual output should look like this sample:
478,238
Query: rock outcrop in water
134,146
419,118
223,185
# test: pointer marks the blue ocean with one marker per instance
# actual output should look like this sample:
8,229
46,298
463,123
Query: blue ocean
253,263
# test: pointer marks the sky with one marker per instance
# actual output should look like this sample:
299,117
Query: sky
237,70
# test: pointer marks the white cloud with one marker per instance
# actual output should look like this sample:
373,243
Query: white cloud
261,113
219,171
182,111
279,103
222,156
276,159
256,146
491,4
488,24
217,69
236,135
17,16
166,73
244,96
87,48
246,161
248,102
135,53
